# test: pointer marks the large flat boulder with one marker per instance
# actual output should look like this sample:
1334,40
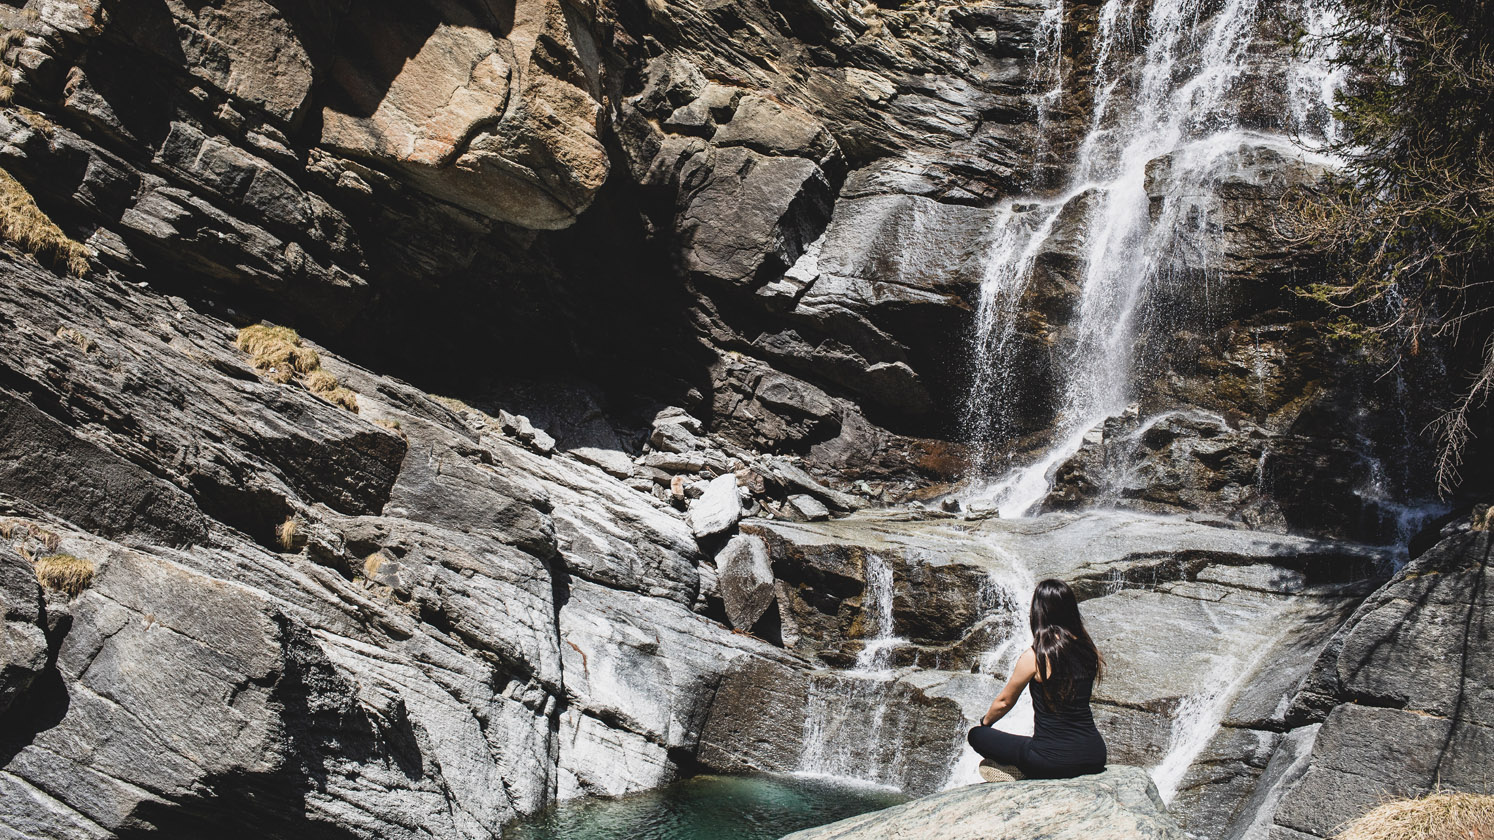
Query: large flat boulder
1119,804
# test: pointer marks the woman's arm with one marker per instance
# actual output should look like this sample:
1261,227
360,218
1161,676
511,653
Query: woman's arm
1022,673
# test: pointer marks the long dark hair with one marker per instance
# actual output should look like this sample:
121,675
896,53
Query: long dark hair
1065,652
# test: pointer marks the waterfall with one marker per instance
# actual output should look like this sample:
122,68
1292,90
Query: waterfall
853,731
1165,123
1009,596
876,655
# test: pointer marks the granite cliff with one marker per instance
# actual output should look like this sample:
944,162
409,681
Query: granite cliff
689,278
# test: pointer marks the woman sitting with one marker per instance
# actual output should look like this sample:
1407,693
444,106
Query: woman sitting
1063,665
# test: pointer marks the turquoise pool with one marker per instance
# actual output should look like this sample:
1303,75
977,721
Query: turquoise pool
706,808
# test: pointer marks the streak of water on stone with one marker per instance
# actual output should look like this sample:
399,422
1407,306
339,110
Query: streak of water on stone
1172,105
839,743
1200,714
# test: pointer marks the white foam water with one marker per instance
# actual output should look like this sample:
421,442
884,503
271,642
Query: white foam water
853,732
1200,714
1008,598
1165,122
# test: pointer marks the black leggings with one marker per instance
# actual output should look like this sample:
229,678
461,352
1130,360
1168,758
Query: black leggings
1006,748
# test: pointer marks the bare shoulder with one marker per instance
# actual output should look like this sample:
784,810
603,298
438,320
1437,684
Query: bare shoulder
1027,664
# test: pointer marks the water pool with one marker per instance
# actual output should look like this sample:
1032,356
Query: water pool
706,808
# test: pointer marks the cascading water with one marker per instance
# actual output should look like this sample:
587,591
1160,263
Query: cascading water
857,729
853,730
1009,594
1166,128
1199,715
876,654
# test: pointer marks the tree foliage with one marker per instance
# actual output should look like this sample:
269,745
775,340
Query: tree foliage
1408,225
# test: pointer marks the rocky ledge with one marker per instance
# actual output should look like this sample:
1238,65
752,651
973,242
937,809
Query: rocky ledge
1119,804
1401,703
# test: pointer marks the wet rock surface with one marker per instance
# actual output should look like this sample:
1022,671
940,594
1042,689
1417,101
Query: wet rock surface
1208,638
1119,803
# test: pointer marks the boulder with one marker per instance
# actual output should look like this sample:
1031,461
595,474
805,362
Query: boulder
676,433
718,508
744,580
641,680
808,507
519,427
1403,693
23,645
1119,804
506,127
752,215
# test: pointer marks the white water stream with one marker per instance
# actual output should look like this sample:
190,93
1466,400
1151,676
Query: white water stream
854,732
1167,127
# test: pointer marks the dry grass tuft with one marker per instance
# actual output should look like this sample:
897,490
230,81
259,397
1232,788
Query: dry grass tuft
262,339
277,353
1437,816
64,573
8,38
321,382
286,534
342,397
1483,517
453,403
23,224
28,538
372,563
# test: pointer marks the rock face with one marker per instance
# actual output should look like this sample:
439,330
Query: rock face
694,269
1402,694
322,623
1207,638
1119,803
745,579
644,199
24,654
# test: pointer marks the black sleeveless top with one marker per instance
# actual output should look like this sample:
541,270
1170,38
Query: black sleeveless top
1063,733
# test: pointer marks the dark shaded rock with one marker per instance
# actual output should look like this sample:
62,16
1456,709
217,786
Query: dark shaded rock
744,579
45,464
23,645
750,216
1403,692
744,730
441,485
